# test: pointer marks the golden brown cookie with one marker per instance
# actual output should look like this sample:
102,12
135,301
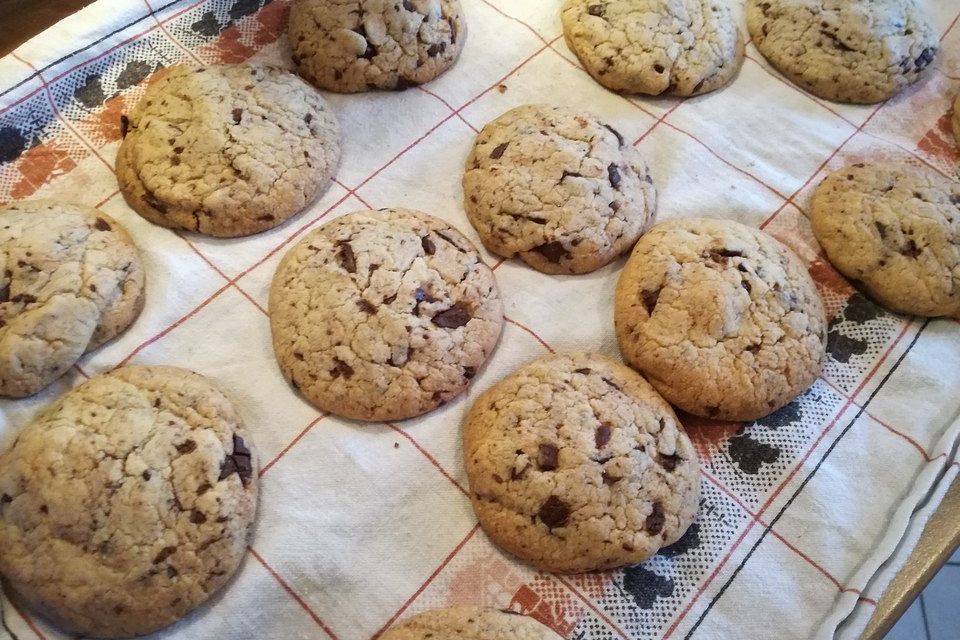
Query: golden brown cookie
845,50
383,315
561,190
675,47
895,228
128,503
721,318
227,150
576,464
359,45
71,279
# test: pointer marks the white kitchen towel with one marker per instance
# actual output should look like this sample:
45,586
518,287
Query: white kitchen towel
805,514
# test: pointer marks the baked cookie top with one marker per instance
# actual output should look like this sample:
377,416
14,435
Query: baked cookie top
576,464
359,45
70,279
470,623
895,228
844,50
562,190
127,503
383,315
677,47
721,318
226,150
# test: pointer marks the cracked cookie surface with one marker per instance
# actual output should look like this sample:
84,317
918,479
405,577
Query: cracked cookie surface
70,280
576,464
383,315
127,503
226,150
676,47
470,623
844,50
896,229
359,45
563,191
721,318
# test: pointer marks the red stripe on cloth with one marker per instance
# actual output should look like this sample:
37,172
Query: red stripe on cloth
427,582
299,437
531,332
173,326
27,619
293,594
429,457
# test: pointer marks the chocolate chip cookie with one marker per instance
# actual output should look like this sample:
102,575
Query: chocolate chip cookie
71,280
721,318
359,45
561,190
895,228
383,315
226,150
845,50
127,504
677,47
470,623
576,464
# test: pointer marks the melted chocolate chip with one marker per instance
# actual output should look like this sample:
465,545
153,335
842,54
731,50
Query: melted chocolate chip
347,259
595,10
746,285
197,517
837,42
455,316
554,512
25,298
146,475
497,152
428,247
656,519
650,299
151,201
237,115
237,462
469,372
613,172
341,368
547,457
669,462
5,499
101,225
370,52
584,371
308,118
165,553
659,68
124,126
602,436
186,447
553,251
911,250
366,307
611,383
433,50
925,58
